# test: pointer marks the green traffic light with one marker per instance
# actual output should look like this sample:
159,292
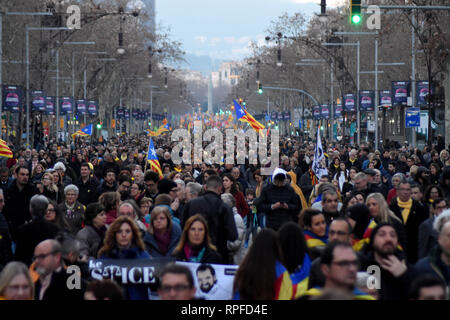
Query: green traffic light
356,19
260,91
99,126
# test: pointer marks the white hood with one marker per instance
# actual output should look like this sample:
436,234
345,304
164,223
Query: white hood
278,171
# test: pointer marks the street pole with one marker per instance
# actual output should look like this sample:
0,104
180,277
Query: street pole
73,90
84,88
1,79
57,94
376,94
27,50
358,115
413,72
332,101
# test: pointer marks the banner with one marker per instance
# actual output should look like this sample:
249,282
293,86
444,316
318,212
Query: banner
135,114
81,106
422,93
65,105
50,105
317,113
385,98
213,281
120,113
280,115
366,100
12,98
400,91
338,111
128,271
37,98
126,114
92,107
325,111
349,102
287,116
317,168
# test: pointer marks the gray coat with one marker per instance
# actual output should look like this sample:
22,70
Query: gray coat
90,242
427,237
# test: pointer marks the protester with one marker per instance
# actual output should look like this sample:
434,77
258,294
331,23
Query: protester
16,282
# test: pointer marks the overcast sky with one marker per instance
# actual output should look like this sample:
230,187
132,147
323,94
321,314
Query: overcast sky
223,29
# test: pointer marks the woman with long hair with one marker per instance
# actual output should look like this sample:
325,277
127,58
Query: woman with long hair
342,175
261,275
296,258
435,174
137,191
16,282
163,235
55,215
111,201
259,182
432,193
195,243
230,186
123,241
58,181
49,189
37,173
380,213
334,166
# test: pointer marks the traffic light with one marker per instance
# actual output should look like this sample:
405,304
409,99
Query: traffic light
244,103
355,11
99,124
260,89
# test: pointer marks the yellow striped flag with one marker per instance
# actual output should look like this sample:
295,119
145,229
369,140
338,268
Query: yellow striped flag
5,151
153,159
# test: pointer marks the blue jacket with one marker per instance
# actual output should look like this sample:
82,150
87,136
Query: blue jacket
134,291
152,246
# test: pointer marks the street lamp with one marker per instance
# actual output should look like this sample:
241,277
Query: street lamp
151,53
278,41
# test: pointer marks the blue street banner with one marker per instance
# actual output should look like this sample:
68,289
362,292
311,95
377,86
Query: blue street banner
81,106
65,105
287,116
412,117
299,124
13,99
92,107
127,114
50,103
267,117
274,116
338,111
280,115
120,113
385,97
366,100
37,98
317,113
135,114
422,92
400,90
349,102
325,111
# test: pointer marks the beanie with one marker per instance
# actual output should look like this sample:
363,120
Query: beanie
165,185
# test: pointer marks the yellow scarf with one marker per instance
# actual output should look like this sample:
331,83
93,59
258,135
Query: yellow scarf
406,206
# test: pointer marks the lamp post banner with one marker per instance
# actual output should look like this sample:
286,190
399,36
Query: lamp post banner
422,92
385,97
81,106
37,100
12,98
50,105
92,107
366,100
349,102
66,105
400,90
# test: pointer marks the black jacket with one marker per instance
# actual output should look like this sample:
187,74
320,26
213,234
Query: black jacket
87,191
30,235
272,194
417,215
433,264
392,288
17,206
210,256
58,289
222,227
102,188
306,184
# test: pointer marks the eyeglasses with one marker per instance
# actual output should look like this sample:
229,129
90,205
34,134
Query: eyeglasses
177,288
43,256
51,209
346,263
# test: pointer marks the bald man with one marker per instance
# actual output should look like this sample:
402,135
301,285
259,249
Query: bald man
54,282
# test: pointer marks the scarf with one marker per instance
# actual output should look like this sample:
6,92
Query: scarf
194,254
163,241
406,206
313,177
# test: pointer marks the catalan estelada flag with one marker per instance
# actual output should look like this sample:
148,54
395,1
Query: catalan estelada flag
163,128
5,151
359,244
86,131
152,158
283,283
357,294
244,116
300,278
313,240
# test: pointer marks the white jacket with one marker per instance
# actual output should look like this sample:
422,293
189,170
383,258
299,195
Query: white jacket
237,247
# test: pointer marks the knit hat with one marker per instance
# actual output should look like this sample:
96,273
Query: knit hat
165,185
377,228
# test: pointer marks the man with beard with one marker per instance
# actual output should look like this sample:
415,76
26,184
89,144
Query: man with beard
124,186
109,184
207,281
382,251
53,279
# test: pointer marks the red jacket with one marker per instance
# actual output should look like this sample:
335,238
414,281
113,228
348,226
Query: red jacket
241,204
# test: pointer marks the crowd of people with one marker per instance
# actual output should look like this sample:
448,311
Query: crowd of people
293,235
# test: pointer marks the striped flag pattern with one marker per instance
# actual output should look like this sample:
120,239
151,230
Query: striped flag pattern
244,116
86,131
5,151
153,159
163,128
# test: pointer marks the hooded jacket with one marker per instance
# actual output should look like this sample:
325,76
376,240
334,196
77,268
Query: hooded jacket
272,194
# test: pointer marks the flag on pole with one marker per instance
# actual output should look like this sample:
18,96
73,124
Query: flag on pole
317,168
153,159
86,131
5,151
163,128
244,116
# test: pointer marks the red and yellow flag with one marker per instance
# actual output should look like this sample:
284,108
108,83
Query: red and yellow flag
5,151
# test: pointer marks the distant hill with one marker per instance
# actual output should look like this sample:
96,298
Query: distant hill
203,64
